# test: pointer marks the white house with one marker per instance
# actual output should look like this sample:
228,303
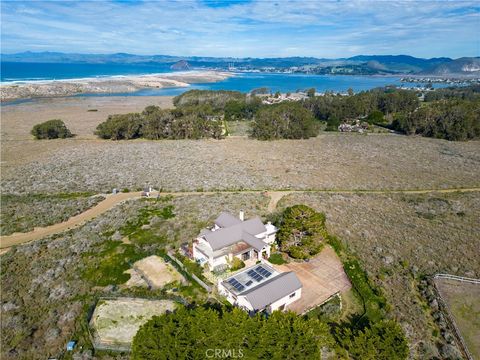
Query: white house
231,237
261,288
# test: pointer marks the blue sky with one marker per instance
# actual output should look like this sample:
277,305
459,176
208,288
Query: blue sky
240,28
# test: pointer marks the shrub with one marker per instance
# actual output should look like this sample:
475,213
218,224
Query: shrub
382,340
107,266
237,264
375,117
276,259
51,129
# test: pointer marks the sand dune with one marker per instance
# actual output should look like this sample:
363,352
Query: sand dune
114,84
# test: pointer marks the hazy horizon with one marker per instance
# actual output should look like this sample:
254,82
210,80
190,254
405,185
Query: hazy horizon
222,57
243,28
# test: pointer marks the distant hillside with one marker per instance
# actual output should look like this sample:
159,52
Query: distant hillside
181,65
401,63
356,65
462,66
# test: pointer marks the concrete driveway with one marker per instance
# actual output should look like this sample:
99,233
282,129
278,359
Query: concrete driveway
321,277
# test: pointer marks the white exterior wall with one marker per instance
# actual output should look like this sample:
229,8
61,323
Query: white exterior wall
218,261
239,301
243,302
266,237
270,239
285,301
199,255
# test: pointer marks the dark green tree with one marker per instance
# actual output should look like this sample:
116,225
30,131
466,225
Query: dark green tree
287,120
217,99
191,333
375,117
302,232
51,129
451,119
120,127
383,340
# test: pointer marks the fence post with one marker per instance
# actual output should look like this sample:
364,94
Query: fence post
194,277
448,313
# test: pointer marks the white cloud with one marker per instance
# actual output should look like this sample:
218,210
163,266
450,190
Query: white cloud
259,28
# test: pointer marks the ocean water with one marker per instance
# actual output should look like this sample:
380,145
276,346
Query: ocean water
244,82
15,71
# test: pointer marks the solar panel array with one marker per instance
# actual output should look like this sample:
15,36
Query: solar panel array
236,284
257,274
264,272
254,275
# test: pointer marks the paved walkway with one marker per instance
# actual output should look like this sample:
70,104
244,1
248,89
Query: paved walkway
113,200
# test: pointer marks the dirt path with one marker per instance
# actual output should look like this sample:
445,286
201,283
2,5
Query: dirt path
275,197
113,200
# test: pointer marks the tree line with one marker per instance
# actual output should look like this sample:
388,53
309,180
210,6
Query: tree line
449,118
450,113
196,333
189,122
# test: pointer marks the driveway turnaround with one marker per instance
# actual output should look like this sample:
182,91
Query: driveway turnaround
321,277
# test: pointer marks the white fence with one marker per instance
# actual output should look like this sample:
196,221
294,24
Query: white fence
458,278
446,308
194,277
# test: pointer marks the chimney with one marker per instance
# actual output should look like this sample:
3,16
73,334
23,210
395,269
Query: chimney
241,215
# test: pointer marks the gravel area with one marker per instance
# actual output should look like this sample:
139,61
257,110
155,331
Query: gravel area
157,272
117,321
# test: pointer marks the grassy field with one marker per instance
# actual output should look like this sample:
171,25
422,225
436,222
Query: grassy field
399,238
463,301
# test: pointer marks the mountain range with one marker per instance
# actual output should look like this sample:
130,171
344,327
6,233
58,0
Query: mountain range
356,65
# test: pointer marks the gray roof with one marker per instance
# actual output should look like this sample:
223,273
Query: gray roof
228,236
272,290
226,219
243,230
254,226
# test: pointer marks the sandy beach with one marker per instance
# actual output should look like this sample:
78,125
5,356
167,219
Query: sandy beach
106,85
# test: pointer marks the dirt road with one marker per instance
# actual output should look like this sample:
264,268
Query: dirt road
113,200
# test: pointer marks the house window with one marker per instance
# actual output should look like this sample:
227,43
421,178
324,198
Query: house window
246,256
292,295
